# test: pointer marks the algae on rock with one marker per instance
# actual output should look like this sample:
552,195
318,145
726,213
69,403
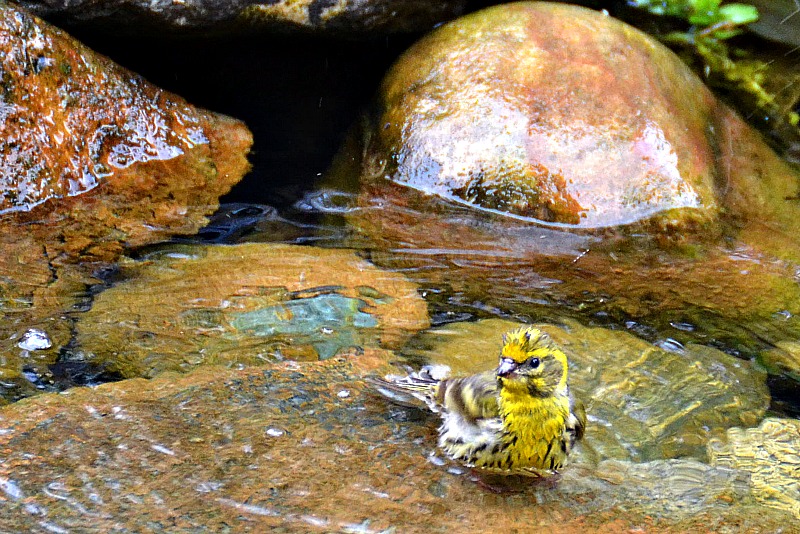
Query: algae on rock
246,304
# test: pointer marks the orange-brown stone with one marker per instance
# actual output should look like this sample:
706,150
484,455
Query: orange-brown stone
561,115
92,157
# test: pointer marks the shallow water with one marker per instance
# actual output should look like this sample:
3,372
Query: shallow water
263,422
499,280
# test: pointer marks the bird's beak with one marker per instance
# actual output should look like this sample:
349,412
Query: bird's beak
506,367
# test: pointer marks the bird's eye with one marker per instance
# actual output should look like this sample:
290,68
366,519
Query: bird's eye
534,362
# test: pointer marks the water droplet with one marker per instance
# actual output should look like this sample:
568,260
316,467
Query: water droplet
35,339
275,432
670,345
10,488
207,487
315,521
162,449
436,460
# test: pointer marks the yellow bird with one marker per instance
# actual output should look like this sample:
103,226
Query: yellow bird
517,419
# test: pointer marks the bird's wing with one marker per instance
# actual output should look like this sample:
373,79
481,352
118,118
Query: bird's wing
473,397
413,391
576,422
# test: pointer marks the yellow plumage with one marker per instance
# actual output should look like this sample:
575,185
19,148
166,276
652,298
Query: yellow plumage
517,419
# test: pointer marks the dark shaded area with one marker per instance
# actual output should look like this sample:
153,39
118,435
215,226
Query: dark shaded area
297,94
785,394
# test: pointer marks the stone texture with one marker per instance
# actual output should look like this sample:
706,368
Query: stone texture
783,359
93,160
307,448
771,454
561,115
243,305
643,402
93,157
330,16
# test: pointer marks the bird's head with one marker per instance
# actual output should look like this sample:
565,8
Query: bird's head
530,362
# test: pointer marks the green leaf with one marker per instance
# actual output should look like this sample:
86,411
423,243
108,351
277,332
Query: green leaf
739,13
726,34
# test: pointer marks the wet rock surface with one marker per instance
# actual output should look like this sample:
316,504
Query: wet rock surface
183,307
35,325
783,359
643,402
495,111
771,454
340,16
733,295
308,448
94,158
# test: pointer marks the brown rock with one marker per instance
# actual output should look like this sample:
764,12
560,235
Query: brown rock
94,158
537,154
560,115
245,305
308,448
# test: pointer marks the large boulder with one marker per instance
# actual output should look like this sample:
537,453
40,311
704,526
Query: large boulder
567,117
537,154
93,160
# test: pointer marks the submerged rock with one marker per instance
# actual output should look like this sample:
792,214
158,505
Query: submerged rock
282,448
783,359
643,402
330,16
246,304
771,455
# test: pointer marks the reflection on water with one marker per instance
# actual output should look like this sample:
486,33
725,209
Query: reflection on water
468,266
278,443
534,274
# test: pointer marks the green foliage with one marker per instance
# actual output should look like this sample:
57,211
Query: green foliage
712,24
701,12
